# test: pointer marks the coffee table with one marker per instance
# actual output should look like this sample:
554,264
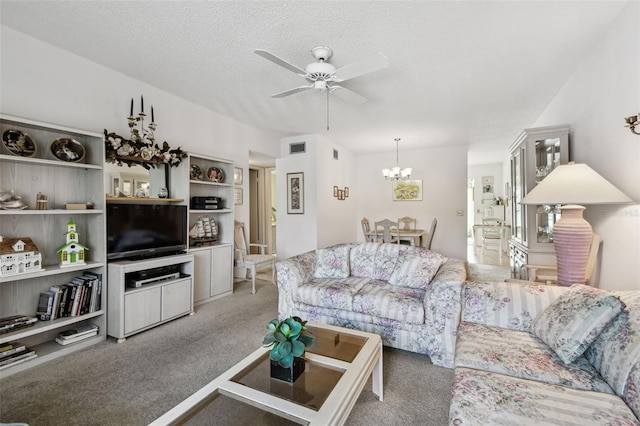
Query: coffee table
338,365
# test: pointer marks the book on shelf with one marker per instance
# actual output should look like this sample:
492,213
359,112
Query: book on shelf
10,348
77,338
17,358
45,305
78,331
16,322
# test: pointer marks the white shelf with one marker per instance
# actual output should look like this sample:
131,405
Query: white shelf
50,211
44,326
48,270
204,182
62,182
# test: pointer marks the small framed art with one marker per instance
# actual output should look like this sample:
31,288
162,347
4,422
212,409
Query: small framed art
295,193
237,196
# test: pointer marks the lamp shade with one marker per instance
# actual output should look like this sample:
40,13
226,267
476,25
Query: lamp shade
575,184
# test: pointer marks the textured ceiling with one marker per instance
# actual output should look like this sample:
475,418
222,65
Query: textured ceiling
461,73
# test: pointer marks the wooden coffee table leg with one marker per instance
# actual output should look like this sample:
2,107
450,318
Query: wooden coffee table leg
376,377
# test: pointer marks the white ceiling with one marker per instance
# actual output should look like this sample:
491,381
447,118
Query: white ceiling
473,73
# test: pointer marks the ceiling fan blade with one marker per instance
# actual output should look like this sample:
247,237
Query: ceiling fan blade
366,66
347,95
292,91
273,58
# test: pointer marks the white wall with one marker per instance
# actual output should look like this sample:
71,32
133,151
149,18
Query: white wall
47,84
326,220
594,101
443,172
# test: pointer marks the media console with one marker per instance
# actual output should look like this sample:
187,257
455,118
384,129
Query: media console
146,293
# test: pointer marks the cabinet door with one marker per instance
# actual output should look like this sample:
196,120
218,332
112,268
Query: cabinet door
176,299
221,281
201,274
141,309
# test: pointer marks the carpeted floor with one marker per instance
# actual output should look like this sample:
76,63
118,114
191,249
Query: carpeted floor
134,382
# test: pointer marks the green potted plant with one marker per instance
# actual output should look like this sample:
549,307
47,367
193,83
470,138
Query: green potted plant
289,339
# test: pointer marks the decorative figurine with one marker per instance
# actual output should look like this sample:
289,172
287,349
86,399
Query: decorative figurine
19,256
72,252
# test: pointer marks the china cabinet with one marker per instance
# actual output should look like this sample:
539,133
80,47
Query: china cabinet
533,155
207,184
63,166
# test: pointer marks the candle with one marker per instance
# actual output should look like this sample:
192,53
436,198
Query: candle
152,119
131,113
141,104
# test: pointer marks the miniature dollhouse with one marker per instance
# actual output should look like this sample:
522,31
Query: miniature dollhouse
19,256
72,252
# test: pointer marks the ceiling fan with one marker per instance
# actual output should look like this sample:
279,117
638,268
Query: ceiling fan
323,76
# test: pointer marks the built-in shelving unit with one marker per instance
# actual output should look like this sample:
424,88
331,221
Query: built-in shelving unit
62,182
213,264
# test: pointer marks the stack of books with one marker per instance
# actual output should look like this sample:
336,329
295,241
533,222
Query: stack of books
82,295
77,335
15,322
13,353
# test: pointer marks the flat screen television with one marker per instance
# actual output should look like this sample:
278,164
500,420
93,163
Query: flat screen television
145,230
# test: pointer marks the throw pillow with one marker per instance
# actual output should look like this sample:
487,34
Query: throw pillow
575,319
417,270
332,262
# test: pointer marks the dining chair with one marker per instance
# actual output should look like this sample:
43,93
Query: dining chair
250,261
407,223
386,232
366,230
432,230
492,234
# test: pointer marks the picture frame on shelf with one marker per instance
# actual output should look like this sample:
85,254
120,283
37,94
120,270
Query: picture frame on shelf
295,193
237,196
237,176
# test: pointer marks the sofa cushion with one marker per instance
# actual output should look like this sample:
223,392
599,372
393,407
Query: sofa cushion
574,320
521,354
617,349
330,292
386,258
332,262
363,259
397,303
486,398
416,270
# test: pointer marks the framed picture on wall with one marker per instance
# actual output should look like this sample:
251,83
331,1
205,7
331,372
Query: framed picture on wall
237,176
295,193
237,196
407,190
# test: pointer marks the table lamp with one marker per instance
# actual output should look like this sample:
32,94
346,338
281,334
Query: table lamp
572,185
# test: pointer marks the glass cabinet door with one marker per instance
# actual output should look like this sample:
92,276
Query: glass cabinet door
547,158
518,228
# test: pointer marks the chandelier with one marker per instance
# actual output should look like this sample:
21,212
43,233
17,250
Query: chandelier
396,172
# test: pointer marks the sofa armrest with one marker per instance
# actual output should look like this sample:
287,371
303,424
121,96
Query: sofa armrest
506,304
291,273
442,310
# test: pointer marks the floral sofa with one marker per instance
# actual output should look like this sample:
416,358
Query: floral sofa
536,354
410,296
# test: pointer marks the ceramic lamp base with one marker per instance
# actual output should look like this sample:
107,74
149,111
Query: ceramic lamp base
572,241
288,374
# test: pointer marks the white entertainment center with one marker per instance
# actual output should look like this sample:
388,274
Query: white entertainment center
159,298
198,274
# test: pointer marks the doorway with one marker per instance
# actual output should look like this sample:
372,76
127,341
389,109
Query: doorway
262,201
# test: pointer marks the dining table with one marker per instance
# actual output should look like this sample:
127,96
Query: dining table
415,237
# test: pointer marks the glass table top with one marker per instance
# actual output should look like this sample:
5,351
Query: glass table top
313,387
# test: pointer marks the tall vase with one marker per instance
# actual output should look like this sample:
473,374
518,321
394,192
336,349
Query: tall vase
288,374
572,241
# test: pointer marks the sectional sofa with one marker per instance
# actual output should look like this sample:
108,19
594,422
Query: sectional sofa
536,354
410,296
